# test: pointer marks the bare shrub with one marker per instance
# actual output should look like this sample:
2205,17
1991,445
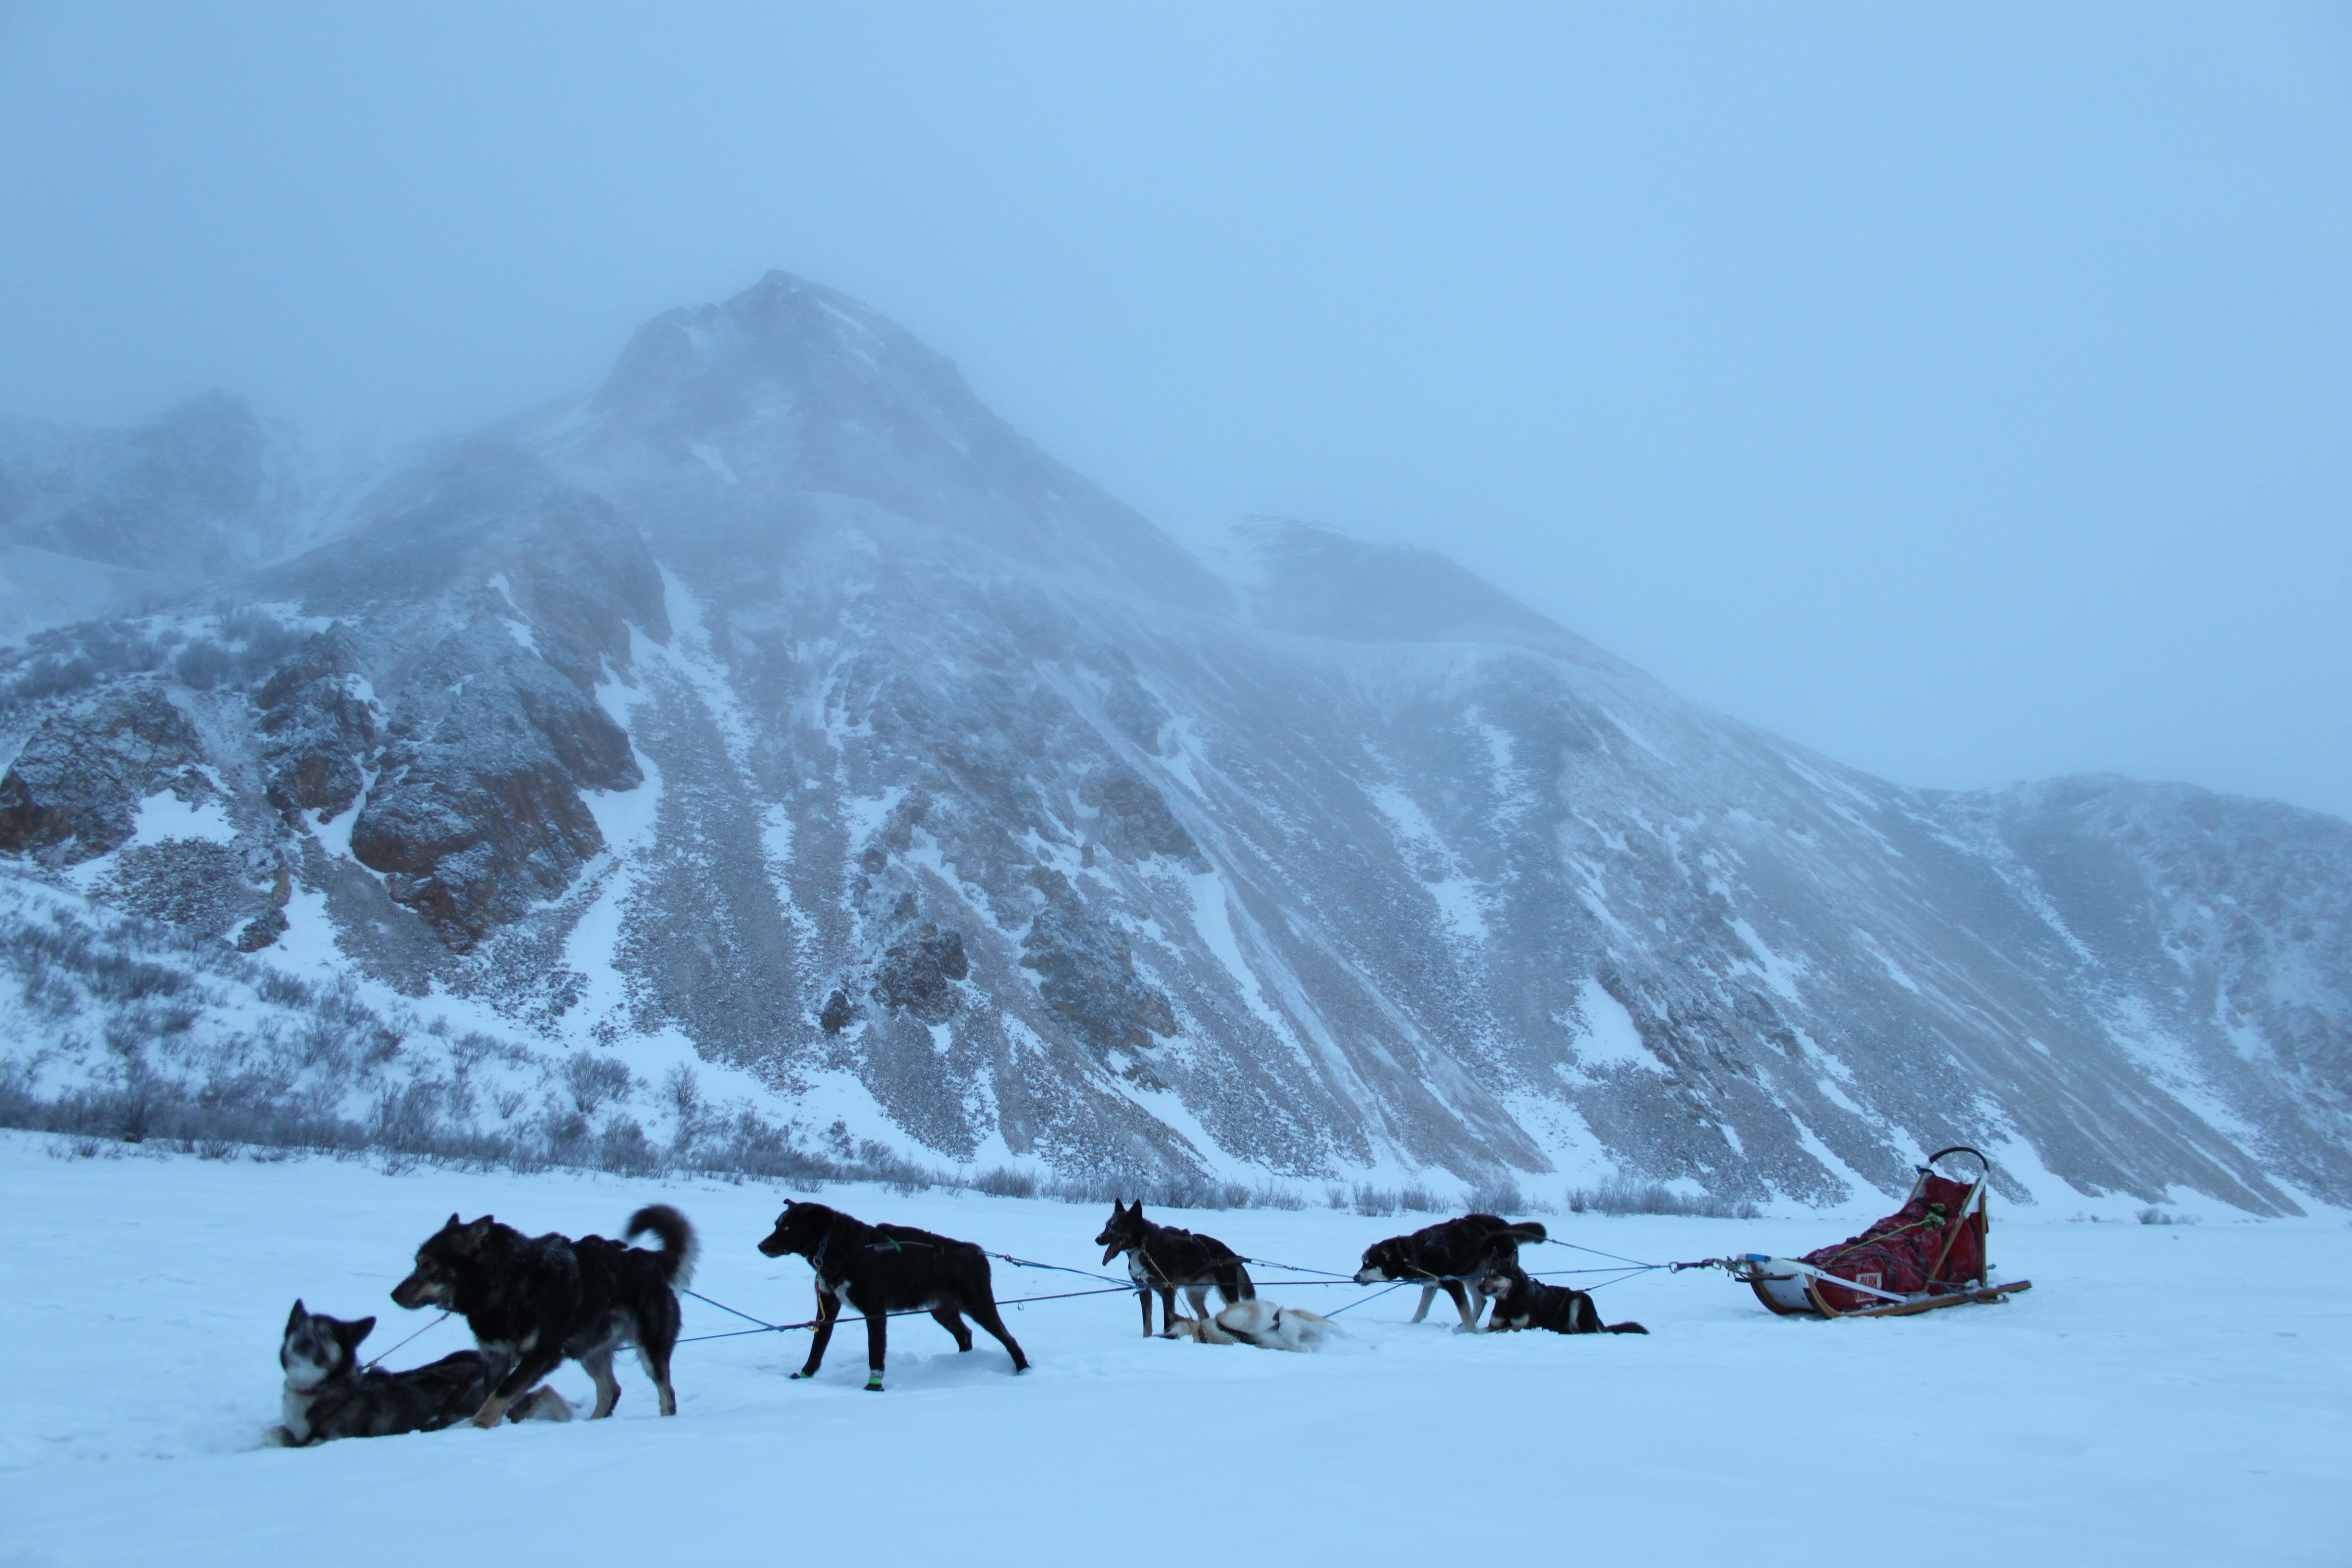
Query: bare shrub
1502,1197
623,1148
1005,1182
283,990
594,1079
1617,1195
683,1089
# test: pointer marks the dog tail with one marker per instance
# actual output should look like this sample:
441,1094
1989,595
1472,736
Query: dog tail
1624,1329
677,1236
1526,1230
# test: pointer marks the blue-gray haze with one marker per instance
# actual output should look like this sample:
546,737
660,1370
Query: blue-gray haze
1961,393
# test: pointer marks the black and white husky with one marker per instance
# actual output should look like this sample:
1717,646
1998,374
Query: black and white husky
1441,1256
1162,1258
329,1394
1521,1303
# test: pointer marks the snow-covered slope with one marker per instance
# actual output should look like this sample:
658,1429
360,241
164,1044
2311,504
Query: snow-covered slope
775,706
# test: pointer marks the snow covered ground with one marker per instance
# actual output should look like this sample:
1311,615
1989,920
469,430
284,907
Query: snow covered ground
2164,1394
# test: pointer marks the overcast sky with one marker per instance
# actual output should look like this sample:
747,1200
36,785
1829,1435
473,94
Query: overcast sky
1965,392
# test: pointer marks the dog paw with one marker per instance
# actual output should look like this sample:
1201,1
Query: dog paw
799,1375
873,1386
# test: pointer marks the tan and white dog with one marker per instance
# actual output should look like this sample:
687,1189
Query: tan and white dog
1268,1325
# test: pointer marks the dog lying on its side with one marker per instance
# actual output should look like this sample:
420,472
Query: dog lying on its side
533,1300
1441,1256
1521,1303
1162,1258
885,1268
1268,1325
329,1394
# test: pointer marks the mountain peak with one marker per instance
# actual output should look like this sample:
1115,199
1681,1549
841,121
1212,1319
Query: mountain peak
770,350
790,389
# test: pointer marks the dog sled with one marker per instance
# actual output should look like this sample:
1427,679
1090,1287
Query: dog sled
1929,1253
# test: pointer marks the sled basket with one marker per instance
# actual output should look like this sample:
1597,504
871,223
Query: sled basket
1929,1253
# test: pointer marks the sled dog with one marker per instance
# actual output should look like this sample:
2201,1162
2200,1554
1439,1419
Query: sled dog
1524,1303
885,1268
1441,1256
329,1394
1266,1324
1162,1258
533,1300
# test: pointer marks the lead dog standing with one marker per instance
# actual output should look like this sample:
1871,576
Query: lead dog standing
1441,1256
1162,1258
533,1300
329,1394
885,1268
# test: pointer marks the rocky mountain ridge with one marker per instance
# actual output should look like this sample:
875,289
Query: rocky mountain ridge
776,705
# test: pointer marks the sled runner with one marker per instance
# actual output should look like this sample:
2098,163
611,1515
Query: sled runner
1930,1253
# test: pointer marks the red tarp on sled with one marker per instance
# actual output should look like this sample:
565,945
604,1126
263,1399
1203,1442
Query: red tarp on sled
1928,1245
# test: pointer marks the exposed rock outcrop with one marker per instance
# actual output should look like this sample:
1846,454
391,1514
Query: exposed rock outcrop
318,725
74,791
1085,971
477,811
918,972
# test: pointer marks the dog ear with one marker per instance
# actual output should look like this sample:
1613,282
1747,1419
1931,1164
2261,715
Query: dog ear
352,1333
297,1315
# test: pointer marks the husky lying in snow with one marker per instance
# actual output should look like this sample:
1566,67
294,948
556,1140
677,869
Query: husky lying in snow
330,1395
1441,1256
1524,1303
1266,1324
533,1300
1162,1258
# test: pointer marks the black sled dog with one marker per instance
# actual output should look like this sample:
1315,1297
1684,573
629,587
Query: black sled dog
329,1394
1524,1303
533,1300
1162,1258
1441,1256
886,1268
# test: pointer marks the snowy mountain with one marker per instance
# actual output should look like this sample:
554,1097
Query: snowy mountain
776,709
96,521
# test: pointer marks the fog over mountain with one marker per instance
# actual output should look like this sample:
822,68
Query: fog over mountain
776,710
